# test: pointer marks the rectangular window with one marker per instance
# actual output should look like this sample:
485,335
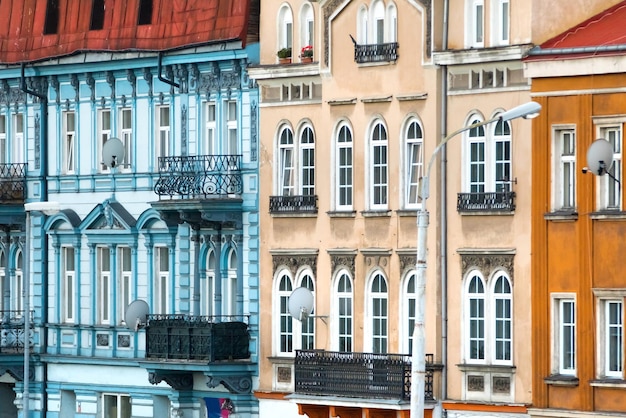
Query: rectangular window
51,24
344,303
564,184
69,143
477,327
163,132
126,135
231,128
68,284
500,22
116,406
162,280
286,321
613,338
477,166
104,133
307,160
125,283
379,183
145,12
3,140
610,190
210,147
564,328
344,169
476,27
379,324
97,15
18,138
103,286
415,166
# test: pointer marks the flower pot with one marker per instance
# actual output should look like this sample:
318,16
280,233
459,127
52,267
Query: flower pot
284,60
306,60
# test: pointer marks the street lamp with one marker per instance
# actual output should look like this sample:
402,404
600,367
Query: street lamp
47,208
418,362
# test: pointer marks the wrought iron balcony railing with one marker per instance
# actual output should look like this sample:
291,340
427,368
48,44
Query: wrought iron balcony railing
357,375
486,202
201,338
293,204
387,52
199,176
12,183
12,332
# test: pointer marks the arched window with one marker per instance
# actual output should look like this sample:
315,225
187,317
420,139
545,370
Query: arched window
230,289
391,23
286,162
307,25
502,156
362,26
344,315
378,313
307,162
409,311
17,285
208,290
296,161
502,317
284,321
378,166
307,326
285,27
476,158
378,20
414,163
476,318
344,169
4,286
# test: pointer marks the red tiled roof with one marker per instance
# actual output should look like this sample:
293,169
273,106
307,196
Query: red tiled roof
602,34
174,24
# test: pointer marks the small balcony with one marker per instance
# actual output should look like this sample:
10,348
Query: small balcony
293,204
486,202
358,375
199,177
366,53
12,183
12,332
197,338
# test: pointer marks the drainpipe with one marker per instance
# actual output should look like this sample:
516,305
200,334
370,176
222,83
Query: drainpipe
443,251
163,79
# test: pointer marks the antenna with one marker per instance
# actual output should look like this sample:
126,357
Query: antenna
301,304
137,314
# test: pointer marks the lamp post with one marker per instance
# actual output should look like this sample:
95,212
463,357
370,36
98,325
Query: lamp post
47,208
418,362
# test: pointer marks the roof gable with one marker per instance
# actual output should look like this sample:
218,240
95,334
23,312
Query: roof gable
27,35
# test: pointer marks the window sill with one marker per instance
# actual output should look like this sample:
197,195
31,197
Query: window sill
487,213
608,215
341,214
561,216
376,213
607,382
490,368
561,380
407,212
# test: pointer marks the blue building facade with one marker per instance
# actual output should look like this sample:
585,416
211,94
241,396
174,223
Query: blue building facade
172,222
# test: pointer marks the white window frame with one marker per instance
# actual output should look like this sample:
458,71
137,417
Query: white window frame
413,163
391,23
304,331
409,310
69,291
3,283
208,290
609,192
564,167
344,178
103,285
283,322
17,284
229,305
608,346
162,296
286,162
499,320
231,115
563,334
378,22
124,281
362,26
343,317
306,161
475,24
163,132
210,128
126,135
471,317
69,142
378,170
377,319
117,410
307,25
285,28
501,22
18,138
104,134
3,140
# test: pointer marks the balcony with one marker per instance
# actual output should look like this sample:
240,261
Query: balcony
12,332
369,53
486,202
196,338
199,177
293,204
12,183
358,375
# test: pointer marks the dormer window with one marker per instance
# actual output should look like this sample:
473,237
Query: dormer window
51,25
145,12
97,15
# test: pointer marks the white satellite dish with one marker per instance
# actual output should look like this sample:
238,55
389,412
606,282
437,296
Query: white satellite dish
113,153
301,303
137,314
600,157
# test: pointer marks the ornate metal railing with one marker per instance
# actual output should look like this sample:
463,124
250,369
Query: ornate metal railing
199,176
358,375
12,332
293,204
375,52
12,183
205,338
486,202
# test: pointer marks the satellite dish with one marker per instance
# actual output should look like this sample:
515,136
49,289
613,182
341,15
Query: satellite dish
113,153
600,157
301,303
137,314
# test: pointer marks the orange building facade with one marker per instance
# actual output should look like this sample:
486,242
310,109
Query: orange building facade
578,222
